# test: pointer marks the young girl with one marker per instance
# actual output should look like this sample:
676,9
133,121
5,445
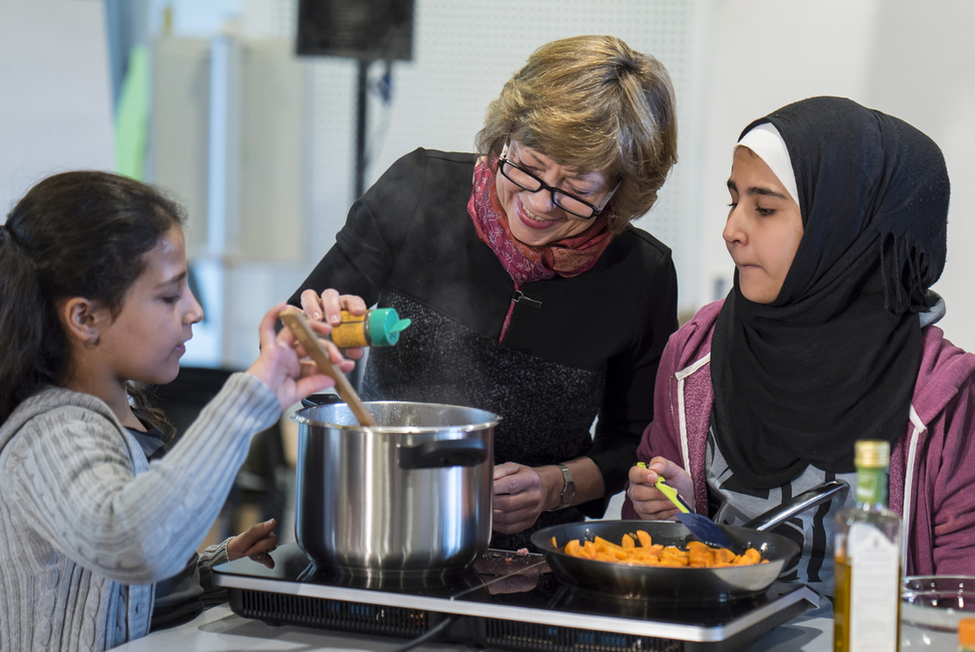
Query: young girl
837,229
93,295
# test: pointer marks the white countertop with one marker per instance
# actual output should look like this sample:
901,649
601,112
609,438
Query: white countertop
219,630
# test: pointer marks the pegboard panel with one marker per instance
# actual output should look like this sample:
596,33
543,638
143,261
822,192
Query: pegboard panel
272,19
463,52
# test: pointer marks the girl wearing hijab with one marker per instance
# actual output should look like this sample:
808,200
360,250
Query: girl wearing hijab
837,228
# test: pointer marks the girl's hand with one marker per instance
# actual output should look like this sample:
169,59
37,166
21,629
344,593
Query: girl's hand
648,501
328,308
255,542
519,497
281,367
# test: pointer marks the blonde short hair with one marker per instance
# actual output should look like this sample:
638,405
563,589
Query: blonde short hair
593,103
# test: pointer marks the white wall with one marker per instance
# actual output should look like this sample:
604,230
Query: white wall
463,52
55,92
923,70
913,60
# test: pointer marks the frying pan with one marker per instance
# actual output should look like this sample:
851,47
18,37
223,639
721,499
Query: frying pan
686,585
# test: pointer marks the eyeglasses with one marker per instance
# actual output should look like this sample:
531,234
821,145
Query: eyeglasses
565,200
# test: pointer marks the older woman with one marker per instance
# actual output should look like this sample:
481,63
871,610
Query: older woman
530,293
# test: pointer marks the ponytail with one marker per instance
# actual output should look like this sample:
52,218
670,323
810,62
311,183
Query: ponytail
33,347
148,413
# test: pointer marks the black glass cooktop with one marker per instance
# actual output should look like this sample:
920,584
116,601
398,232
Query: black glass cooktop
506,601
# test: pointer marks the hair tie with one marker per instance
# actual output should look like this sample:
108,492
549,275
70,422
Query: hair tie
7,234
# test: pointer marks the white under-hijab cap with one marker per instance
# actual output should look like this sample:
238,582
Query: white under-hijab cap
766,141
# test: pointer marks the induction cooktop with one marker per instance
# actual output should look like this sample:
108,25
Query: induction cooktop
506,601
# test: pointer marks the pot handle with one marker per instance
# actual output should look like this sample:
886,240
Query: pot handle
325,398
818,495
443,453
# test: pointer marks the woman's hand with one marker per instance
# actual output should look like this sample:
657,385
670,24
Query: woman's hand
255,542
648,501
328,307
281,367
519,497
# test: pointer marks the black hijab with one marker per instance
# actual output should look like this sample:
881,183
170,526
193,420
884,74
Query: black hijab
835,357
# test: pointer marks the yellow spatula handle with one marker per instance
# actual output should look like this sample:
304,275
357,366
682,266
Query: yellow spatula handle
668,491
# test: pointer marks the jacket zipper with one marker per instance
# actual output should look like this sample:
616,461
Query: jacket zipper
520,298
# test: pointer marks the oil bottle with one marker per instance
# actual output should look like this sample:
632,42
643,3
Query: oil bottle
866,610
966,635
377,327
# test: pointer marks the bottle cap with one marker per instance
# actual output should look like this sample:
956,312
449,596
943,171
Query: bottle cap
966,631
872,453
385,326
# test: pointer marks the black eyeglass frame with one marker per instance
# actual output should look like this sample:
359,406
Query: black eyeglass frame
596,210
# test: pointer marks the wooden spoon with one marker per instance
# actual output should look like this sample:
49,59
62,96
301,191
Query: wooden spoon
295,320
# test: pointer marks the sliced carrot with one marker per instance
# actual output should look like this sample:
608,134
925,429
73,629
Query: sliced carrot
696,555
644,538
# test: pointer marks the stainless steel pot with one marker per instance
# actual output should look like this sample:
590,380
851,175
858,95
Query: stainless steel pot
412,495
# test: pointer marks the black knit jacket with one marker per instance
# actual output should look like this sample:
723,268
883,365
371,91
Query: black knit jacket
574,348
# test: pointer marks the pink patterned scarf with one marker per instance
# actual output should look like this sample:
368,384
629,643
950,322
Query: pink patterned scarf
525,264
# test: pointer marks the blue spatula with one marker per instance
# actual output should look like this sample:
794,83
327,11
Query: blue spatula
700,526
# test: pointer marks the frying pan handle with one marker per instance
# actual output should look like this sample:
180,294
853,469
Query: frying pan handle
443,453
818,495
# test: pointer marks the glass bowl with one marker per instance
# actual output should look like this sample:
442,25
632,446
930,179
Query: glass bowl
931,607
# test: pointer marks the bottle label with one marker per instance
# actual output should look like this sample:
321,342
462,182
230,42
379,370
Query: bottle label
351,333
871,486
874,589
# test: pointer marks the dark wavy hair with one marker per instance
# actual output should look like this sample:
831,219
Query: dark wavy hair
75,234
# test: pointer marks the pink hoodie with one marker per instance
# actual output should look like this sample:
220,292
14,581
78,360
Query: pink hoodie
932,468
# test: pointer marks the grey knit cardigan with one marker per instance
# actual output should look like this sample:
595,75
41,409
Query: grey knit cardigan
87,525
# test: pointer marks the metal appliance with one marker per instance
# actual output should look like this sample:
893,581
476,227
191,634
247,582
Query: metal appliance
516,605
411,493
